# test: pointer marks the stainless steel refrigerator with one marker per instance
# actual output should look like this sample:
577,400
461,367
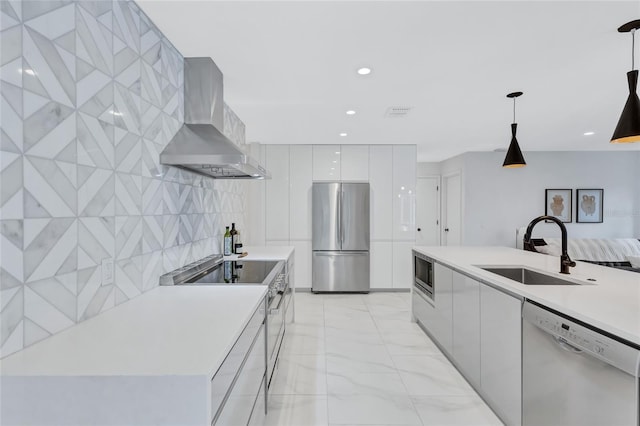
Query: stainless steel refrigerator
340,246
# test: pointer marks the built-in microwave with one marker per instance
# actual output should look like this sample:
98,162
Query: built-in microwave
423,275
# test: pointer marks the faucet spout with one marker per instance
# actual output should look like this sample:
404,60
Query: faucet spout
565,260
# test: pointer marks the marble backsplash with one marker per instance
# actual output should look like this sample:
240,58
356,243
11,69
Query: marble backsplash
91,92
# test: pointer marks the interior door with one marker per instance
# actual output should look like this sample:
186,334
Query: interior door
325,216
428,211
354,222
452,215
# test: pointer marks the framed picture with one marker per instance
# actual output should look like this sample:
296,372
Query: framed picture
589,205
558,204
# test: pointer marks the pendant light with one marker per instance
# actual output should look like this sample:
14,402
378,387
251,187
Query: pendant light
514,156
628,128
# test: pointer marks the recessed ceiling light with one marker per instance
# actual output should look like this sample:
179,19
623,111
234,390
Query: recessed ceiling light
341,134
351,112
338,152
589,133
364,71
116,113
27,71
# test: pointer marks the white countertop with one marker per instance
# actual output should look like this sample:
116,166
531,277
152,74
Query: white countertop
264,253
173,330
611,303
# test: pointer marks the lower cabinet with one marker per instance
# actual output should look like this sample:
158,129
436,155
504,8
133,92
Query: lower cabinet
466,326
479,329
501,353
238,383
442,328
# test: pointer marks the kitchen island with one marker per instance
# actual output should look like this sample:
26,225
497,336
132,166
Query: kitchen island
565,349
611,302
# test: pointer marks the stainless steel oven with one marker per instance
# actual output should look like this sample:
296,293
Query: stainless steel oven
423,275
276,321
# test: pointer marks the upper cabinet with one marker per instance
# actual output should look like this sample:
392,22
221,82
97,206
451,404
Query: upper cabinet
326,162
381,183
404,192
354,163
277,194
300,160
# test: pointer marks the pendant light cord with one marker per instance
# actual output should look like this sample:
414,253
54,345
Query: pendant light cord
514,110
633,50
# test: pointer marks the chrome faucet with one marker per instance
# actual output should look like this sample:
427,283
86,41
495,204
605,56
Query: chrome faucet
565,260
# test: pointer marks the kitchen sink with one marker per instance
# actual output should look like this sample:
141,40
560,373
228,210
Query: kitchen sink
528,276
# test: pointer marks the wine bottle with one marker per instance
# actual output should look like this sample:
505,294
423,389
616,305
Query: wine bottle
234,234
227,242
238,244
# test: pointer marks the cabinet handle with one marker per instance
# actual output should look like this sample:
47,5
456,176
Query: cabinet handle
446,229
419,229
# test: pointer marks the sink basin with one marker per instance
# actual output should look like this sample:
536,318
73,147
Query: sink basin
528,276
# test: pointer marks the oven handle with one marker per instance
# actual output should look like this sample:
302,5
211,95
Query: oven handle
276,310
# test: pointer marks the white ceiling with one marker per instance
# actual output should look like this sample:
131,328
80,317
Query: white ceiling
289,69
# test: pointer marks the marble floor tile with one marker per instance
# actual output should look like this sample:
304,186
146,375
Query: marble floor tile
431,375
297,410
377,362
395,325
454,411
353,383
372,409
409,343
303,343
355,359
300,375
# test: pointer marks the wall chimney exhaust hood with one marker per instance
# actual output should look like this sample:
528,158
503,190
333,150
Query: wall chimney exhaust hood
199,146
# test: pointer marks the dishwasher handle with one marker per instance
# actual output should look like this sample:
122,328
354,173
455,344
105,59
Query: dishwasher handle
566,345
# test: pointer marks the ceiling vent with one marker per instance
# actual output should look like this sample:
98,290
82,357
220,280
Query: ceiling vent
398,111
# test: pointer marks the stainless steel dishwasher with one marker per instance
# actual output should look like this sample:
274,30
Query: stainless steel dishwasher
575,374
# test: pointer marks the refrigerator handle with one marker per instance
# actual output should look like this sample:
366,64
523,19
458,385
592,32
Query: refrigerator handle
341,216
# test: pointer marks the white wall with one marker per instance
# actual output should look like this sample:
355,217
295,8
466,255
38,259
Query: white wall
280,210
498,200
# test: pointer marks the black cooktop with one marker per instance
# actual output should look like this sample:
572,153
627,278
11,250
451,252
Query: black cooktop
236,272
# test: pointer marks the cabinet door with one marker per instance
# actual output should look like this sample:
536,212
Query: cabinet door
402,268
501,353
300,165
277,193
249,383
442,298
354,163
466,326
326,163
381,183
404,192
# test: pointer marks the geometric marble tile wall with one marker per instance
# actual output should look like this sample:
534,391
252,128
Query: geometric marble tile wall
91,92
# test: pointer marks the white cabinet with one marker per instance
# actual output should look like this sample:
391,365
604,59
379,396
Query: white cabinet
300,165
501,353
466,326
241,377
381,185
381,265
302,271
326,162
277,193
404,192
354,163
442,328
402,259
